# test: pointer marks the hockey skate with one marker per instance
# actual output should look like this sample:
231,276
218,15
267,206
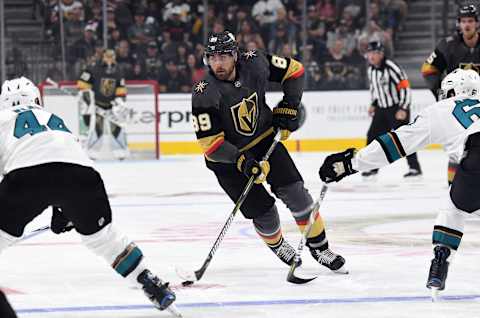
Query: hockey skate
327,258
438,270
370,176
158,292
285,252
413,174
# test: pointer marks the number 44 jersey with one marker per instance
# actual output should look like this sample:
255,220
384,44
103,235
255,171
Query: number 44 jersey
448,122
31,136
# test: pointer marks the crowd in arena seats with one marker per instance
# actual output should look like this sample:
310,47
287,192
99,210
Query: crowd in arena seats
162,40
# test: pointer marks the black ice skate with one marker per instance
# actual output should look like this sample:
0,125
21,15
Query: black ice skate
285,252
329,259
158,292
438,270
370,175
413,174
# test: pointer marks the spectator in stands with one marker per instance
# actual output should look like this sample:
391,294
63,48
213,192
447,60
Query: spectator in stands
178,7
384,21
68,7
137,72
313,76
265,14
74,26
247,34
175,26
195,69
218,26
111,24
316,31
181,59
341,33
230,19
172,81
141,32
198,52
327,11
124,57
123,17
280,38
153,61
168,47
80,51
354,9
339,72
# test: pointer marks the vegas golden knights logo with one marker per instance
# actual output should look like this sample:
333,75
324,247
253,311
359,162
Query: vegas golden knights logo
470,66
245,115
107,86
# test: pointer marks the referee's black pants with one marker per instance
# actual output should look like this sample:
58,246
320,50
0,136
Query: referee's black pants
384,121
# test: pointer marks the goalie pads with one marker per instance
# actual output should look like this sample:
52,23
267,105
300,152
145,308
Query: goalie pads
106,138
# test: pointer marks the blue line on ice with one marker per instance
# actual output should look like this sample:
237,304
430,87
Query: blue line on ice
391,299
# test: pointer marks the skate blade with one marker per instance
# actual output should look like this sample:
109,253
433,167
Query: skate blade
435,294
342,271
174,311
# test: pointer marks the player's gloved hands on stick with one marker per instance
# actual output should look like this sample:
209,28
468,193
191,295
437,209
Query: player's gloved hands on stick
285,118
337,166
60,223
247,164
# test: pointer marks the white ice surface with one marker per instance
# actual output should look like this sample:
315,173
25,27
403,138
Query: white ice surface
174,209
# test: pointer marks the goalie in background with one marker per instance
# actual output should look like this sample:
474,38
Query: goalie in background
102,105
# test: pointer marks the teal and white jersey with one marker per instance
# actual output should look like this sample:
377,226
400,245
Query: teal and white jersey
31,136
448,122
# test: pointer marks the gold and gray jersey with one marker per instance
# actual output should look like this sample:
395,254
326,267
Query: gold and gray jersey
232,116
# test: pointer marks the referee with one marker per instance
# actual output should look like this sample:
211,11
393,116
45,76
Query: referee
391,97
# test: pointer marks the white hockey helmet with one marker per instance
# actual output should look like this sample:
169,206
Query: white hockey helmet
460,83
19,91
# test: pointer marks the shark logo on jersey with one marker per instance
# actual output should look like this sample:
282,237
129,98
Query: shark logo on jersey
107,86
245,115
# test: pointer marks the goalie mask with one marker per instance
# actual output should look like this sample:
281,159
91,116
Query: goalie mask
460,83
109,60
19,91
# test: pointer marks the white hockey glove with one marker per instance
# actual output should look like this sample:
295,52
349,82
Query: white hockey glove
122,113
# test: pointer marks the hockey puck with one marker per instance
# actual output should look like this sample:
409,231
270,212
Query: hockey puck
187,283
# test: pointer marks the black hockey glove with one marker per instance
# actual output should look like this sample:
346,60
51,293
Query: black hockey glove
86,97
285,118
247,164
60,223
337,166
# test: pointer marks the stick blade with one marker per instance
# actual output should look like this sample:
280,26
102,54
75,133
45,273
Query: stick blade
294,279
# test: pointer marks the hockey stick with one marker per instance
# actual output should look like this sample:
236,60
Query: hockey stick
35,232
313,215
191,277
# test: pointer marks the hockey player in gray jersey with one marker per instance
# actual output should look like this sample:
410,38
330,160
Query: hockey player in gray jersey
452,122
43,164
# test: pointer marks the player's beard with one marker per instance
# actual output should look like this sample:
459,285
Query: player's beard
224,73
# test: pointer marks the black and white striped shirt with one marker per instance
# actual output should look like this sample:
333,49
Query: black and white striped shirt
389,85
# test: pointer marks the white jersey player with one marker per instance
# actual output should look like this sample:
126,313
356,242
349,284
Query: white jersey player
43,165
452,122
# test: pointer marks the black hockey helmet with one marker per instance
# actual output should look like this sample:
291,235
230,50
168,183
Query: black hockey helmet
467,11
375,46
220,43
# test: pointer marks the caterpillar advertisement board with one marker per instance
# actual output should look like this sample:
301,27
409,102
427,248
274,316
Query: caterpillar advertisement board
334,119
